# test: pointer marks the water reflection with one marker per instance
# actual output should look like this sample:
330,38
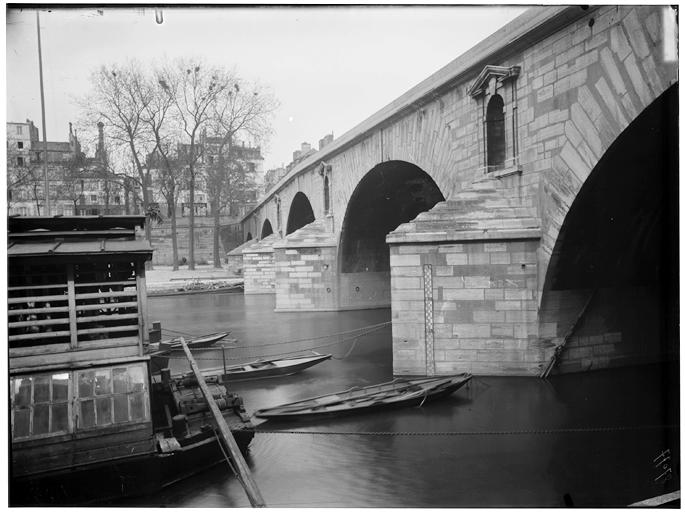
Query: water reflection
428,456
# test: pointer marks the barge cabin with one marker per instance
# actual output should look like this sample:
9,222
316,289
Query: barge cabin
88,420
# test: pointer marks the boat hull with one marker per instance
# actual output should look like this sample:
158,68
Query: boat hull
280,413
275,371
113,480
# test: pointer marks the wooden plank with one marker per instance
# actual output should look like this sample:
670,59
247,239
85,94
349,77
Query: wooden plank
51,321
36,287
78,233
244,475
111,305
113,316
102,295
120,328
72,306
108,343
58,309
73,365
53,348
141,287
43,298
66,359
38,335
107,283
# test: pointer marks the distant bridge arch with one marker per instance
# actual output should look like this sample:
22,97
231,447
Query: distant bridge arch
301,213
266,229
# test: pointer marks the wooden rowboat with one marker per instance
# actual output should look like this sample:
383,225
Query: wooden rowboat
199,342
259,369
388,394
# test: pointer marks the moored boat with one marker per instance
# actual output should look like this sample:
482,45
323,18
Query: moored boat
399,392
259,369
89,422
200,342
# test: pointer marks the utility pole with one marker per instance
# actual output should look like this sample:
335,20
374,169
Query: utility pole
46,208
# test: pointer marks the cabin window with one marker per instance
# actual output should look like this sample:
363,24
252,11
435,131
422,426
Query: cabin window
108,396
40,405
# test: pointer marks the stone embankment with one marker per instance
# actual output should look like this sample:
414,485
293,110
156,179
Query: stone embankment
162,280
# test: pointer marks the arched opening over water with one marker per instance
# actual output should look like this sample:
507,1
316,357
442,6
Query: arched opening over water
301,213
266,229
388,195
617,250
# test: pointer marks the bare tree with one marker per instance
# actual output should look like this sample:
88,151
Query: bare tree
119,99
239,111
158,118
194,88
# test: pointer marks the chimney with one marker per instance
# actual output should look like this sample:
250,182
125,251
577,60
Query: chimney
70,130
306,146
100,152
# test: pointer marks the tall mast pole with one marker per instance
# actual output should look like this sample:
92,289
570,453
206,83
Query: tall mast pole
42,110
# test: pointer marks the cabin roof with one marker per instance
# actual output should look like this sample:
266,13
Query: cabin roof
75,248
22,224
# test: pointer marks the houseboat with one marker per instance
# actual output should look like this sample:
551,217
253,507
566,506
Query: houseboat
89,421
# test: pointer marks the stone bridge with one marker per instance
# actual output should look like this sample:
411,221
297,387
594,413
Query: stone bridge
521,199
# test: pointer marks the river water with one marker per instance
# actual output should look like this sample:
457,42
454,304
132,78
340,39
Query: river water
586,440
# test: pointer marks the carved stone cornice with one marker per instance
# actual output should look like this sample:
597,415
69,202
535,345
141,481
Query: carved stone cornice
502,73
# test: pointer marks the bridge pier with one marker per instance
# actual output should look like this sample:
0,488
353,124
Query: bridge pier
305,263
464,280
258,266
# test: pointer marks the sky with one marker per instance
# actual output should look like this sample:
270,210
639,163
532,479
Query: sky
329,67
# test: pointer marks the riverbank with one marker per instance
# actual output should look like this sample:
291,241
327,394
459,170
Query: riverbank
162,280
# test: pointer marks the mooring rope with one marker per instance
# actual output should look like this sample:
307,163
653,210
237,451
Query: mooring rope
578,430
251,351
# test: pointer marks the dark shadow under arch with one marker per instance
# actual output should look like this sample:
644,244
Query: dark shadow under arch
388,195
266,229
248,237
301,213
619,239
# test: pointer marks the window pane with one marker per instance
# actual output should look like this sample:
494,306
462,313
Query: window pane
41,419
86,381
138,406
60,387
120,408
21,423
103,382
119,380
104,410
60,419
87,414
41,389
22,391
137,378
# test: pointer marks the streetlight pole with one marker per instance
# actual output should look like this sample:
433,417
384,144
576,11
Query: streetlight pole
42,110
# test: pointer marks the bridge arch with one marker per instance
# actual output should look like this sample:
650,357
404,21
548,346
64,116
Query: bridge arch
248,237
300,214
267,229
611,281
388,195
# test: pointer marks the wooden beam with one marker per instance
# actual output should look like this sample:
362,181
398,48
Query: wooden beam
141,288
109,305
104,295
104,318
71,293
244,475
